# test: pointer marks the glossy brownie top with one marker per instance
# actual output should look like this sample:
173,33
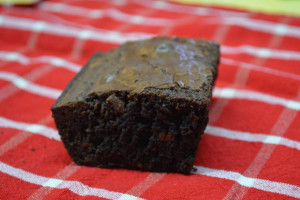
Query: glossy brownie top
160,62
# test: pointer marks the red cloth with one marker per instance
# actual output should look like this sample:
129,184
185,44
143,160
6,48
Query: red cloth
250,150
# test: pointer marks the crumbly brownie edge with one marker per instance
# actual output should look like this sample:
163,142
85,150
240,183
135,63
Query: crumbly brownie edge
147,131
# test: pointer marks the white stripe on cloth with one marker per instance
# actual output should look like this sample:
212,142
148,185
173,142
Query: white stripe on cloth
70,31
245,181
280,127
33,128
227,93
29,86
260,184
260,68
74,186
84,190
263,26
115,37
236,18
180,8
25,60
261,52
64,173
231,93
111,13
20,136
251,137
238,191
141,187
210,130
59,62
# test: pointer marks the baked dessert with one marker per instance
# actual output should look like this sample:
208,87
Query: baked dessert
141,106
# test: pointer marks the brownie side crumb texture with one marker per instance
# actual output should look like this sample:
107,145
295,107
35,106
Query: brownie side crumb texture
153,129
146,132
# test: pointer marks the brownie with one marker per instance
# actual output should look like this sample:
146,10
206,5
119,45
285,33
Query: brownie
141,106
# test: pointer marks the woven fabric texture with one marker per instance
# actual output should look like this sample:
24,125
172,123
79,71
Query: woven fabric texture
250,149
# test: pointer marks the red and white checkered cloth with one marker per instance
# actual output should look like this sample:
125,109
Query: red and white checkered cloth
251,149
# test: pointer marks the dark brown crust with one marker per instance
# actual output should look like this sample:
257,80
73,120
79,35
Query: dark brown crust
156,129
76,78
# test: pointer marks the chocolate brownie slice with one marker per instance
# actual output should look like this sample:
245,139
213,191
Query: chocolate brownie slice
141,106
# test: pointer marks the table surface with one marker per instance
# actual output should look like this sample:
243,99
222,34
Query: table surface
250,149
